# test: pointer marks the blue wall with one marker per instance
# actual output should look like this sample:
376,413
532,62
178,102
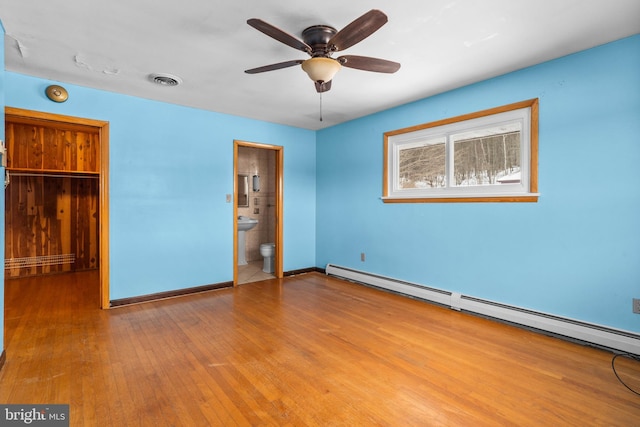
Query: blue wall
575,253
170,170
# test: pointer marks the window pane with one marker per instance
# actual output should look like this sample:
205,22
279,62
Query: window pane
423,166
489,156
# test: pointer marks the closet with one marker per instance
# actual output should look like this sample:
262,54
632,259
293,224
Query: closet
52,200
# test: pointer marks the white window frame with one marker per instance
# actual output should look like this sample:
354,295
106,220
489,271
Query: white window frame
525,113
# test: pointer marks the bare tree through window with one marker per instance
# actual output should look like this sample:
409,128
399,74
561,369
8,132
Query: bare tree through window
422,167
483,161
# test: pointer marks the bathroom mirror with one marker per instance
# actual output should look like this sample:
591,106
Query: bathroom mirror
243,190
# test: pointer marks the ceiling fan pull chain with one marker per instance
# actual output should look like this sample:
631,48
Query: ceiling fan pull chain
320,106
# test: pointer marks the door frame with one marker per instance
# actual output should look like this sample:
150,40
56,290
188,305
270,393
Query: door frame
103,134
278,261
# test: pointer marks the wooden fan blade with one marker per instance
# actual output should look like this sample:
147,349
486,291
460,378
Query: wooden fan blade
323,86
358,30
272,67
369,64
279,34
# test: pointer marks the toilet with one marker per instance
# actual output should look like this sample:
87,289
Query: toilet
267,250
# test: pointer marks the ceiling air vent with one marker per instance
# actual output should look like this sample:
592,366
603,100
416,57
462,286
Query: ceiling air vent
165,79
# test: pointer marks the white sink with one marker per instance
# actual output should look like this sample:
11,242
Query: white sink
244,224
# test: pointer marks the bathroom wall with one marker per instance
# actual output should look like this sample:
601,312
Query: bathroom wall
261,162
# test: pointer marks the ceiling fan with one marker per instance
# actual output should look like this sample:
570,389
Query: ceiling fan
321,41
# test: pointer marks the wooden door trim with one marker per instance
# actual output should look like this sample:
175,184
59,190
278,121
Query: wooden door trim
278,262
22,115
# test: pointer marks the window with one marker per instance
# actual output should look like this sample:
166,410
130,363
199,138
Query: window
488,156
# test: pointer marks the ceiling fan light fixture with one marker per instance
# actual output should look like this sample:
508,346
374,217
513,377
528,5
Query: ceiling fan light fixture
321,69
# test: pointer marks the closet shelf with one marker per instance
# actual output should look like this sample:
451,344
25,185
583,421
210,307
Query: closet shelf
51,172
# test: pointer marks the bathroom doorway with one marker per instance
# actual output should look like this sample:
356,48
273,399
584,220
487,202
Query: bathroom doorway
258,192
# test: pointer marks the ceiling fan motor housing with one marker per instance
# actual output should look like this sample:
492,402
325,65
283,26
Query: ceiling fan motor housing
318,36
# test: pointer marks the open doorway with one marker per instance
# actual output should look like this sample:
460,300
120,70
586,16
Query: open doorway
258,201
56,205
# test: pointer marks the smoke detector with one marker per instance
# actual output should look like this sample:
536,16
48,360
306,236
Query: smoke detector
163,79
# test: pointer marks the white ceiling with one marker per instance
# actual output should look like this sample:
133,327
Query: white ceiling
442,44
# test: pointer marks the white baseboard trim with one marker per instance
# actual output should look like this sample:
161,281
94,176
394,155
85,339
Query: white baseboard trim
602,336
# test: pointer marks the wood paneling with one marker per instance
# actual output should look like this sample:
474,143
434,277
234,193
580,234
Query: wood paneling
41,146
52,201
308,350
49,216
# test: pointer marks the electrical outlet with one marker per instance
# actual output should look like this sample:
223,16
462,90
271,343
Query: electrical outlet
636,305
362,257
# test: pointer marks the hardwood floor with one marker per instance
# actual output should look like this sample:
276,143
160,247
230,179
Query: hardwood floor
306,350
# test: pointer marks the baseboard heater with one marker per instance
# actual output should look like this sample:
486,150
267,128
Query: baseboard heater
39,261
586,332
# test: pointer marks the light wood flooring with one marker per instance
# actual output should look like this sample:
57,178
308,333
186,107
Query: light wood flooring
308,350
